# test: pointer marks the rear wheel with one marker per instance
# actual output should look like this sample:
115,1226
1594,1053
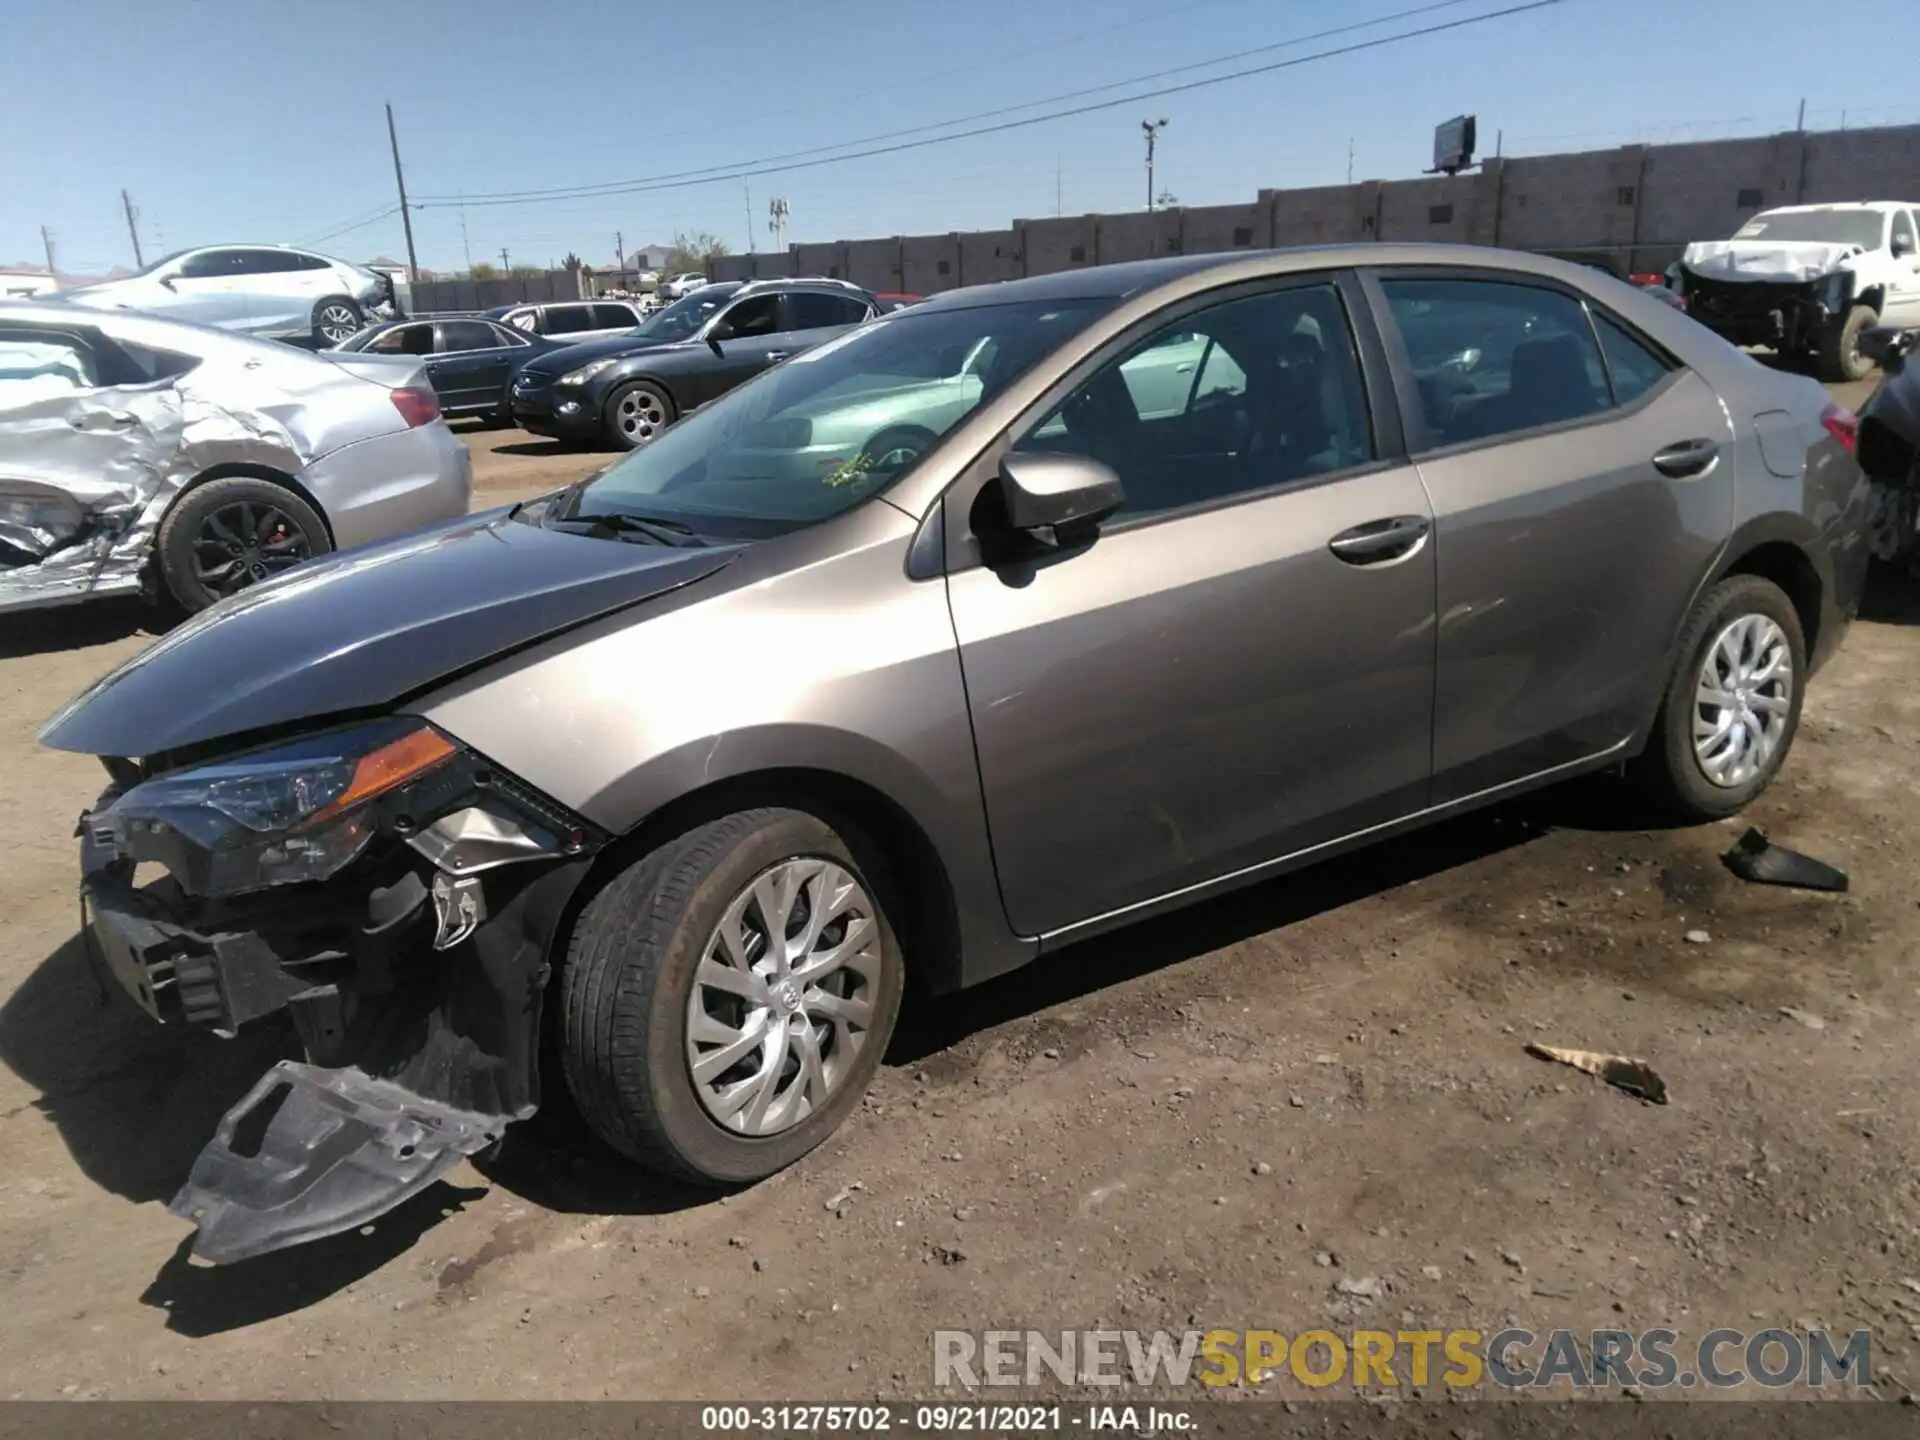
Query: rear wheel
635,413
726,999
1841,357
226,535
1732,706
335,319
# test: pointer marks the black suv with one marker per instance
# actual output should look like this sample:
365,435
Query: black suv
627,389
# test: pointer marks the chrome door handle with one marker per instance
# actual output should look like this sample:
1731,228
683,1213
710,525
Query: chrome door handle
1685,458
774,357
106,420
1381,540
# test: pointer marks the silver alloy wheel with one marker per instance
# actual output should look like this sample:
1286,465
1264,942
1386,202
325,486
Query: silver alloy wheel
1742,700
337,322
639,415
782,1000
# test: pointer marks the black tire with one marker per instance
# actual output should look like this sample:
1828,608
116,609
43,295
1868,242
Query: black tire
635,413
1839,353
335,319
1669,769
628,977
274,528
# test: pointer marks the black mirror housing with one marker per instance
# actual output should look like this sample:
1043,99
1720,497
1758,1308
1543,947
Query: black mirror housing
1888,345
1046,494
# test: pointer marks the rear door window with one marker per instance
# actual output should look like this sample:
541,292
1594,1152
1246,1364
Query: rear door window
458,335
810,310
568,319
613,317
39,365
1632,365
1492,357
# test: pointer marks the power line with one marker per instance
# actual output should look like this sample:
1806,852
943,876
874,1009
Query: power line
738,169
352,225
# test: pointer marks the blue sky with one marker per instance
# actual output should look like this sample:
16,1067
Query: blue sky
251,121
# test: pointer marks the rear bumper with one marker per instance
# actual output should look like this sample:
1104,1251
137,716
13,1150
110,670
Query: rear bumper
392,483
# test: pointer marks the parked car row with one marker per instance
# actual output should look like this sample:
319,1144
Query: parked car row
1087,597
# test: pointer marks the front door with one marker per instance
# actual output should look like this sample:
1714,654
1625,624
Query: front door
1903,282
1582,482
206,287
747,337
1241,665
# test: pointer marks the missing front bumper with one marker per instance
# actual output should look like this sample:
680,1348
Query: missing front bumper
312,1152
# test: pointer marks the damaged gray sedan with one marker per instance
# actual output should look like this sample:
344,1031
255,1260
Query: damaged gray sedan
147,456
673,778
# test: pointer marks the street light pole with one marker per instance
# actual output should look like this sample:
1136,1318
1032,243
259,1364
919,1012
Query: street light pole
1152,129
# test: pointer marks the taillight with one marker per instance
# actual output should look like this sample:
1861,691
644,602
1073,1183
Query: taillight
416,406
1843,425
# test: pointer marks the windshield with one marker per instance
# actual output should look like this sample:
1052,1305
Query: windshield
832,426
1832,227
685,315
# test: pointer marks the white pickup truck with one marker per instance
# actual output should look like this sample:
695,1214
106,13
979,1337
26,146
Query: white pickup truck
1810,279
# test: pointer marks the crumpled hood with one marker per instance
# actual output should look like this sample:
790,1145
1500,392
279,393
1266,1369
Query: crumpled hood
362,629
1771,261
572,357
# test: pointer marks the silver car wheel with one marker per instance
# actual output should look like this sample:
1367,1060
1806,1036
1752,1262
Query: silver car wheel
639,415
337,323
782,1000
1742,700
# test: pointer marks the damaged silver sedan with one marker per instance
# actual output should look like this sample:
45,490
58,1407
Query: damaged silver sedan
148,456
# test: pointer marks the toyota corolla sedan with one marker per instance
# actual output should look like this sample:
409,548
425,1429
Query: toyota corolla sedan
706,759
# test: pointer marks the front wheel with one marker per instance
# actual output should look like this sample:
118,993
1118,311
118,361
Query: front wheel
1732,706
726,999
1841,357
225,535
635,413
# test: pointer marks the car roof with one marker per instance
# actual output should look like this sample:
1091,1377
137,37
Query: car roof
1133,277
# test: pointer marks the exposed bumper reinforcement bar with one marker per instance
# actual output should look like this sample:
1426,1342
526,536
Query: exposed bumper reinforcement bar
311,1152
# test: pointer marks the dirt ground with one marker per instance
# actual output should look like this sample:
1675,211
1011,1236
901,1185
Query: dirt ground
1210,1121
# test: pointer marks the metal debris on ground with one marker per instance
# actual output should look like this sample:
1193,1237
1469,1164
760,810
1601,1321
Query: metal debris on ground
1636,1077
1754,857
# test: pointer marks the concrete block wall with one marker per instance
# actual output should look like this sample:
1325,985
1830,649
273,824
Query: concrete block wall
989,255
929,264
874,264
1633,208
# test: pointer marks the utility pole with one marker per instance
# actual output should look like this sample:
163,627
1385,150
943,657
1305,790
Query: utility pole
777,216
505,264
1349,160
1801,123
620,254
466,246
406,216
1152,129
126,204
1056,187
46,239
746,188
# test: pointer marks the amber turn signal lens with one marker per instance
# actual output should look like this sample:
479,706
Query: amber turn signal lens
394,763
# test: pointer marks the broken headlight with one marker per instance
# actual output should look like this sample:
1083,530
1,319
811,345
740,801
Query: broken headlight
281,816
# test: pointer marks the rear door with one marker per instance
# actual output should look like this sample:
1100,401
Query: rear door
86,430
813,317
470,364
1582,482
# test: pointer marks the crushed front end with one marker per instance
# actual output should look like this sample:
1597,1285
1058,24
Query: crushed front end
393,893
1788,315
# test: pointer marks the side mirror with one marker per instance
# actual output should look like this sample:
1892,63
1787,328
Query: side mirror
722,330
167,280
1057,500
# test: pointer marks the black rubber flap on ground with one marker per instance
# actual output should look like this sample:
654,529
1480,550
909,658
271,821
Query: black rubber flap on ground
311,1152
1755,857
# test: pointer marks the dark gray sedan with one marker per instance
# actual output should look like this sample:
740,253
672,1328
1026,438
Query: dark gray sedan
710,754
